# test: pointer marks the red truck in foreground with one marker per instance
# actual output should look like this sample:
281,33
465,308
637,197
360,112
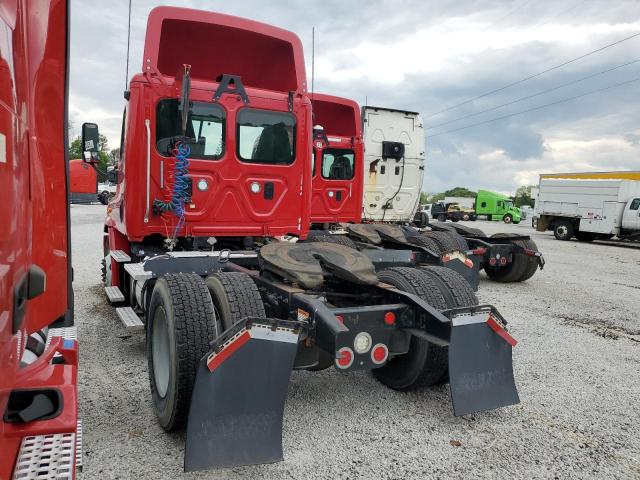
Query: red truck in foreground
39,430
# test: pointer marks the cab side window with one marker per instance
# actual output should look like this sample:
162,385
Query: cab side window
635,204
337,164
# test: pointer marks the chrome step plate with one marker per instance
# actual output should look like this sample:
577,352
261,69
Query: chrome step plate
68,333
120,256
130,319
46,457
114,294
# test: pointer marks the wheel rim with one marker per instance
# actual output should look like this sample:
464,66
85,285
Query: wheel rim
562,230
507,219
160,351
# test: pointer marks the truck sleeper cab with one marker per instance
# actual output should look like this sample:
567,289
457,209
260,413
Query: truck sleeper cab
338,161
247,171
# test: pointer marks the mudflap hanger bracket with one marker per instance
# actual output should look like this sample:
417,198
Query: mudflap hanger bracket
231,84
237,404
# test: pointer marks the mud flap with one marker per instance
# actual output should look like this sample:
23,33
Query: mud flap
466,265
238,398
480,364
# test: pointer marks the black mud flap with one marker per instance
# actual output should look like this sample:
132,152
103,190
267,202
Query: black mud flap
466,265
238,398
480,364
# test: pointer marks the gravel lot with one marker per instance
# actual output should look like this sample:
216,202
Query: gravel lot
577,368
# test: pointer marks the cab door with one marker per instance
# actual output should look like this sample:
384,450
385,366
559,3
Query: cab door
631,216
334,195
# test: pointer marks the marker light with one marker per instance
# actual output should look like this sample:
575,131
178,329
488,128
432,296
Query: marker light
203,185
255,187
389,318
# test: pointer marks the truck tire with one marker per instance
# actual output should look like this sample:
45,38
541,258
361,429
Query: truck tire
446,242
428,243
442,217
425,363
180,328
563,230
338,239
459,240
235,296
465,217
585,236
103,197
507,218
521,268
456,291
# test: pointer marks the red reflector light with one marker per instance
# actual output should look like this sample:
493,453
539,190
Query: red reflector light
389,318
413,257
379,354
344,358
468,263
340,318
528,251
492,261
479,251
500,330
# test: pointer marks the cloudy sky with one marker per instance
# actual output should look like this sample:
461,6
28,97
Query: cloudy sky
428,56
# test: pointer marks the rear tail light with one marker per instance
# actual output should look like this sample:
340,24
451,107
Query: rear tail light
479,251
344,358
340,318
379,354
492,261
503,261
389,318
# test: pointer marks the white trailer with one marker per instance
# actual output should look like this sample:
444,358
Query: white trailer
394,164
589,208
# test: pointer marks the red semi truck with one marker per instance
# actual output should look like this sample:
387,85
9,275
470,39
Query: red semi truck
38,351
201,252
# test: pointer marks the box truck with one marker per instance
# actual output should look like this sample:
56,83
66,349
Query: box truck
589,209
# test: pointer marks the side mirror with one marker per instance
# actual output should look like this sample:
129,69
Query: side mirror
90,142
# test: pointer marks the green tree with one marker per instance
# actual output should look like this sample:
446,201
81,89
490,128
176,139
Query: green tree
424,198
523,196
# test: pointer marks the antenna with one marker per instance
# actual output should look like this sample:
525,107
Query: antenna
313,58
126,78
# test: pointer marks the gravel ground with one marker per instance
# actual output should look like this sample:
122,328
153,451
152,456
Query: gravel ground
577,367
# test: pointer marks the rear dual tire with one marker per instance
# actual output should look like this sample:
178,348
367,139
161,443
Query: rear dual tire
186,313
425,363
522,266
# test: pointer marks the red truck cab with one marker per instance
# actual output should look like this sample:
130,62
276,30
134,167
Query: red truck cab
338,161
248,131
38,363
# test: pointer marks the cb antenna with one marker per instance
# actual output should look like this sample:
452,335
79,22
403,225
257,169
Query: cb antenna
126,78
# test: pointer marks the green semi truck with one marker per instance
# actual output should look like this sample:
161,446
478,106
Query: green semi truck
496,206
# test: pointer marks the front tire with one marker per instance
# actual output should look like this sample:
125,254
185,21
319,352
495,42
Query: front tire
180,328
507,218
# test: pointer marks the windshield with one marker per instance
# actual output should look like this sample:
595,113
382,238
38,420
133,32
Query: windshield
266,137
205,129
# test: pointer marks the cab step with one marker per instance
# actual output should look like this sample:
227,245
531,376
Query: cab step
114,294
68,333
49,456
130,319
120,256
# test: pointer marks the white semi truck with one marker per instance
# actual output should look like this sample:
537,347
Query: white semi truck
589,209
394,164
